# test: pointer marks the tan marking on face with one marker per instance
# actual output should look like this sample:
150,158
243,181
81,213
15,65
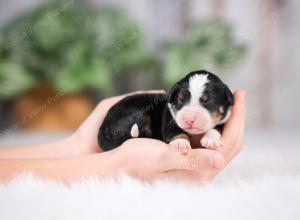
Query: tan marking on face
221,109
216,117
147,125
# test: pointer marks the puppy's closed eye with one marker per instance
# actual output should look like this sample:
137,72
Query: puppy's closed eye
204,99
183,96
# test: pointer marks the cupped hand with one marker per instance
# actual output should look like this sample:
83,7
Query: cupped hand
233,133
150,159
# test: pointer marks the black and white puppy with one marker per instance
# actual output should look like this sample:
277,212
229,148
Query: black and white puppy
196,106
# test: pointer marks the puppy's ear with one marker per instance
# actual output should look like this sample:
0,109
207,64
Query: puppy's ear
225,94
172,93
228,96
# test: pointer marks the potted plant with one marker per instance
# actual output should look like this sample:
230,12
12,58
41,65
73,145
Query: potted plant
53,56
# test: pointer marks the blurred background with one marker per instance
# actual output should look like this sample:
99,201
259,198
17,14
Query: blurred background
58,59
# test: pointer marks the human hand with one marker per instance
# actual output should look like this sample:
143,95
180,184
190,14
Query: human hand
150,159
233,134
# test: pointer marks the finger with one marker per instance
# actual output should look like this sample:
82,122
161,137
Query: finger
236,122
144,92
195,160
186,176
189,176
233,134
160,91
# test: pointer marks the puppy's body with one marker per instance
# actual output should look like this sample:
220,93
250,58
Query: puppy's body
134,116
196,105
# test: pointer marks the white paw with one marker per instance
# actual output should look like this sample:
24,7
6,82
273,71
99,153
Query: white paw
180,145
211,142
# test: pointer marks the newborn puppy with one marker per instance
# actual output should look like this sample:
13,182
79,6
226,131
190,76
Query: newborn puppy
199,104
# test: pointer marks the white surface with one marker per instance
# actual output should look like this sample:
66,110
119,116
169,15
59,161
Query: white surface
261,183
267,151
271,197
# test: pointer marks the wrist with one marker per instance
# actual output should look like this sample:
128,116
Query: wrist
71,146
106,164
122,160
81,144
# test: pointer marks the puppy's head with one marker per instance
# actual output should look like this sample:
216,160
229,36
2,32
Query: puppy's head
199,102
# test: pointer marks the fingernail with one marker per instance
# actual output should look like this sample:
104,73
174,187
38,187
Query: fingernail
217,161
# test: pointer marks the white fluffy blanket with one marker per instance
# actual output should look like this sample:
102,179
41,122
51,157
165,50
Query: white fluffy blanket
268,197
263,182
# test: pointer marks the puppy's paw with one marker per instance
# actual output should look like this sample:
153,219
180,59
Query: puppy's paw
211,142
180,145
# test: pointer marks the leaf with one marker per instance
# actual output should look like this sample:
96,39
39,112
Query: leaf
207,44
14,80
64,43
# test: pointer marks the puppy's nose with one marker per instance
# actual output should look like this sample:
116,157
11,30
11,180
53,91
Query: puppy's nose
189,120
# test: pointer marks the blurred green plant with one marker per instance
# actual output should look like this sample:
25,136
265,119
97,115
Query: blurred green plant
70,47
208,44
14,83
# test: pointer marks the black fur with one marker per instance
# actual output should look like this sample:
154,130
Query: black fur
152,115
145,110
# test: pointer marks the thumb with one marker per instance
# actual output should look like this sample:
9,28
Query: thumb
196,159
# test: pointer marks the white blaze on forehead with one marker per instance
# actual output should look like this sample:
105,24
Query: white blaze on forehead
196,87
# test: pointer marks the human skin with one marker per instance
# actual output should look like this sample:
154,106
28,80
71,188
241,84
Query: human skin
147,159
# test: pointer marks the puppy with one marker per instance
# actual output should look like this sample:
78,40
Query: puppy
195,108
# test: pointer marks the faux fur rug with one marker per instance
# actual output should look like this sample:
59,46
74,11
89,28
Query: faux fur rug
268,197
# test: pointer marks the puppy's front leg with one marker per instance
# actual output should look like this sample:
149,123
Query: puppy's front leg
181,143
173,135
211,139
